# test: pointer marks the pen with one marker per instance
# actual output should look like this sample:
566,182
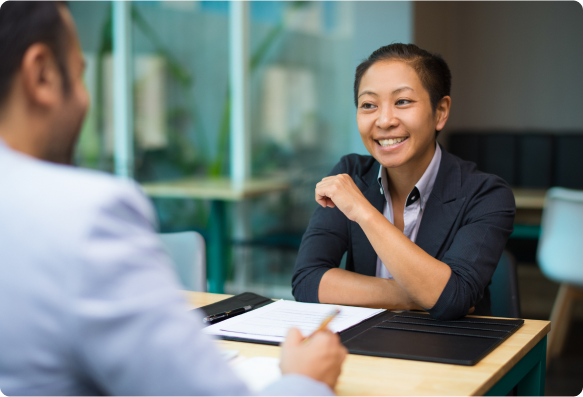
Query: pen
213,318
324,323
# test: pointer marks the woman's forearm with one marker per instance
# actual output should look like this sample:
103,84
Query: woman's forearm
348,288
421,276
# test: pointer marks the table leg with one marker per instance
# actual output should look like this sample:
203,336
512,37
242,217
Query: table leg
216,251
528,375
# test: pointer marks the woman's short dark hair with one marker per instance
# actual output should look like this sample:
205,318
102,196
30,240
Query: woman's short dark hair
431,69
22,24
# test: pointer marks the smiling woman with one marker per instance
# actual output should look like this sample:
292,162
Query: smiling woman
372,207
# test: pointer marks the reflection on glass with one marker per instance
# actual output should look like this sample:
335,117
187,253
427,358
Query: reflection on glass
301,71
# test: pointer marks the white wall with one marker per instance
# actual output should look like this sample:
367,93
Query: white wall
515,65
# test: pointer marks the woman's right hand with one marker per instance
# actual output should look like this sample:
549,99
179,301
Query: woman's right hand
320,357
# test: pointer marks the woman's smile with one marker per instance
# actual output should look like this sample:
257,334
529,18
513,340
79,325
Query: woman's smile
391,143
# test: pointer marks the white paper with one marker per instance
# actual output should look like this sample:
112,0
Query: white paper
230,354
272,322
257,372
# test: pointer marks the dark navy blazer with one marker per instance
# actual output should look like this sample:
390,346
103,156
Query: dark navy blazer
465,224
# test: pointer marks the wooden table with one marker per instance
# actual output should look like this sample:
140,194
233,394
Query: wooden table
529,206
518,361
218,191
533,199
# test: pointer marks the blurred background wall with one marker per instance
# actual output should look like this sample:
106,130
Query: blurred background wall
515,65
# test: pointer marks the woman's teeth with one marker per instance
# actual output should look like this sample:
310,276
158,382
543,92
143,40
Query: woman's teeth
390,142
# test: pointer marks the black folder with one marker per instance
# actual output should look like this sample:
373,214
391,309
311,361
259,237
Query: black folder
404,334
235,302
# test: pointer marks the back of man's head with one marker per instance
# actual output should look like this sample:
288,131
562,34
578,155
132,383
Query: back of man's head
22,24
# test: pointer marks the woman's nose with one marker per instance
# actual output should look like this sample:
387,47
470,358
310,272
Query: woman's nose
386,118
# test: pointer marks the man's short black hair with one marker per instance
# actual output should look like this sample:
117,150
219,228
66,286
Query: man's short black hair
22,24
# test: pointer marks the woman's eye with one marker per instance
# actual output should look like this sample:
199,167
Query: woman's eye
403,102
367,106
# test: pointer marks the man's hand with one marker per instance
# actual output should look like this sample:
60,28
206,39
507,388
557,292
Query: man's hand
320,357
341,191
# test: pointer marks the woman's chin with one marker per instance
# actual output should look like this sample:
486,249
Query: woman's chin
390,159
392,164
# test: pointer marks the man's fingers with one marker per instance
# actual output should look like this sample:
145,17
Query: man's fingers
325,337
294,337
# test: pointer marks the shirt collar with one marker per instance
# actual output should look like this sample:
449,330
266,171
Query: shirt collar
423,187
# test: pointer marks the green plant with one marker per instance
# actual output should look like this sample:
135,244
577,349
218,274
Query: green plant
183,156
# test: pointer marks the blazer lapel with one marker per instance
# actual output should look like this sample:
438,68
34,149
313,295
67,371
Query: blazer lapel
370,188
443,206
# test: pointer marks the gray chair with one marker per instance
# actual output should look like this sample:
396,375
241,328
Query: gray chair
504,288
188,253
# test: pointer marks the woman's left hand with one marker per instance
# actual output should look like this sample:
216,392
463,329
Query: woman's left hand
341,191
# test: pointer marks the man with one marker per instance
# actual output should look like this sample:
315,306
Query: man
88,303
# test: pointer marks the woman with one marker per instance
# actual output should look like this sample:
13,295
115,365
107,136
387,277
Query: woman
422,229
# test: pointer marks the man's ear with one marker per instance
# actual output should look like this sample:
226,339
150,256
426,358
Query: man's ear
442,112
41,78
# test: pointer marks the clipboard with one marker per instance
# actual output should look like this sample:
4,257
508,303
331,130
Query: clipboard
404,334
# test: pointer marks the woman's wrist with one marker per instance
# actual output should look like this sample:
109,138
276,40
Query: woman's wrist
366,214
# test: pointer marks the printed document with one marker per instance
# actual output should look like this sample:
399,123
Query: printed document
272,322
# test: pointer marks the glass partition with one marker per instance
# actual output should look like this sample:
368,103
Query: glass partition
301,65
301,111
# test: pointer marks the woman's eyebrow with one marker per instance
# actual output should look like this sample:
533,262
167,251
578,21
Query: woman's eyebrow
367,92
402,89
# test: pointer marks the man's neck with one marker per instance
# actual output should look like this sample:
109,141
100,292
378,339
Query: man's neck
23,130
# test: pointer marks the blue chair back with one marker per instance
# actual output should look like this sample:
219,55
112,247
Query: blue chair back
560,248
188,254
504,288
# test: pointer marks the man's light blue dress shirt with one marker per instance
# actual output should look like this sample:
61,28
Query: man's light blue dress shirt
88,301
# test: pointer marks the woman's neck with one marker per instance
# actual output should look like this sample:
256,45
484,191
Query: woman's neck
403,179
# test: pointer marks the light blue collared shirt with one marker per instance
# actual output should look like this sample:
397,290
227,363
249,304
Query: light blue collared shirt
414,206
89,302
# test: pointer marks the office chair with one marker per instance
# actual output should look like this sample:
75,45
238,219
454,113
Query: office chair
188,253
504,288
560,257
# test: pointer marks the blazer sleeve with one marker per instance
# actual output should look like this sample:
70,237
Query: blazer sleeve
324,243
476,248
130,326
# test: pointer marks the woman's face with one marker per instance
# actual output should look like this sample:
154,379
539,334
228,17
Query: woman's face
394,116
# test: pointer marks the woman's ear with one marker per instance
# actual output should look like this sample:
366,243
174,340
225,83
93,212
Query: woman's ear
442,112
